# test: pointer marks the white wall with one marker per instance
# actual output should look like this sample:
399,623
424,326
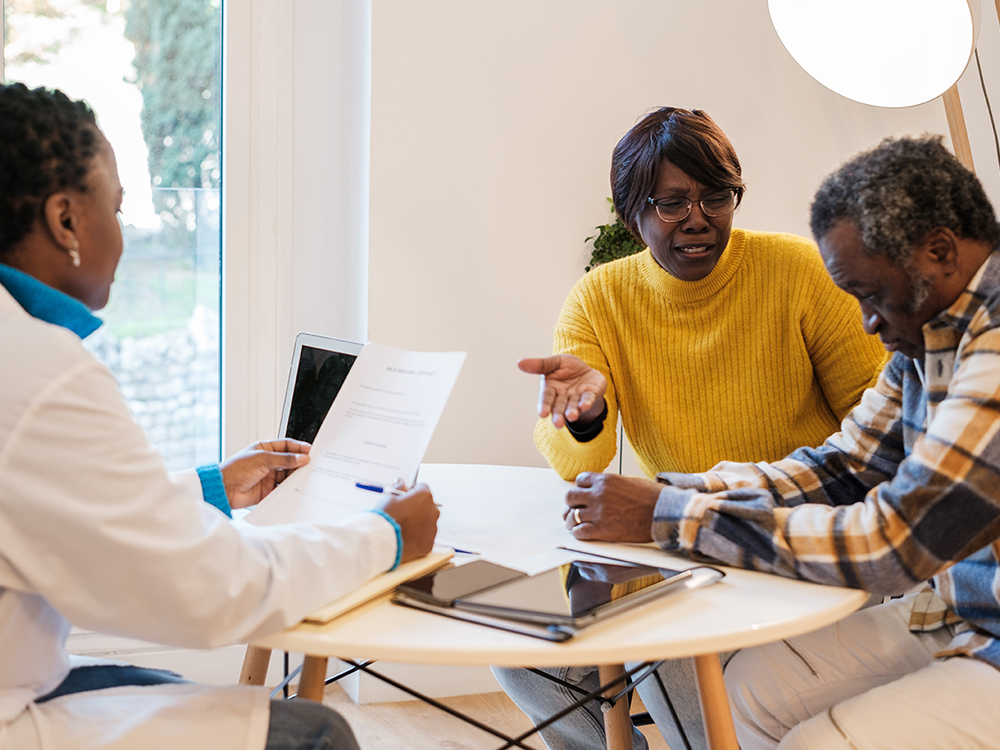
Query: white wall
492,129
491,132
981,136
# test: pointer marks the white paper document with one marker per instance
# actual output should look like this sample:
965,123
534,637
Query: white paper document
376,432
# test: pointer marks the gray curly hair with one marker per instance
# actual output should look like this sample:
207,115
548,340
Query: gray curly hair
897,192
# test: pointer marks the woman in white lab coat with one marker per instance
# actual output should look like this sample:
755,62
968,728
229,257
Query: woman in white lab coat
95,532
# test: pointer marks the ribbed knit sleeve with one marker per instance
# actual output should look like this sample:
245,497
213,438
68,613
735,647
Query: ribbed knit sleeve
574,334
762,356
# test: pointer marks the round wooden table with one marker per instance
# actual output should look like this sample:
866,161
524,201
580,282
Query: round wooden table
523,505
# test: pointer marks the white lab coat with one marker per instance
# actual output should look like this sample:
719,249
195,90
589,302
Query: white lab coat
95,532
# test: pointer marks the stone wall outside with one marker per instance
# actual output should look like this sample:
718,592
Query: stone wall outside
171,382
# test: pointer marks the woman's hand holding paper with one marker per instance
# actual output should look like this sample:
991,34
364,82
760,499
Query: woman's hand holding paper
250,475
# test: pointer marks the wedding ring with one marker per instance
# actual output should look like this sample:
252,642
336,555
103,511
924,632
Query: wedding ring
576,517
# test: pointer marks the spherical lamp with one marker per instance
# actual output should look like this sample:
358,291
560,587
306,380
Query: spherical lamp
888,53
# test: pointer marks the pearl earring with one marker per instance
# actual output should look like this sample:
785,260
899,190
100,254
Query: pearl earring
74,255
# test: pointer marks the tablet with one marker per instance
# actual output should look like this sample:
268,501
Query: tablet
319,366
445,587
583,593
556,633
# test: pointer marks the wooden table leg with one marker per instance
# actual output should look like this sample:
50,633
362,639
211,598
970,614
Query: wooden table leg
255,664
617,723
312,677
715,711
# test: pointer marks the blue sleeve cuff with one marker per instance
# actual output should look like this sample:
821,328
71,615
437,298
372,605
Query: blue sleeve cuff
212,488
399,536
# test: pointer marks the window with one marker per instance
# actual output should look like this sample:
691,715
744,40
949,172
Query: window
151,69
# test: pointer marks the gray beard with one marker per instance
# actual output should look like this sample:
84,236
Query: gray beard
920,290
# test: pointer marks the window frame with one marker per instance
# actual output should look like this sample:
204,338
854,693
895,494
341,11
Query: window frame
295,194
295,170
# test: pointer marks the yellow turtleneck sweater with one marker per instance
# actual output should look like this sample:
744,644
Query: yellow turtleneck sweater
762,356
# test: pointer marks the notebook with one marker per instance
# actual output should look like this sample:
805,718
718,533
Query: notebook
381,586
319,366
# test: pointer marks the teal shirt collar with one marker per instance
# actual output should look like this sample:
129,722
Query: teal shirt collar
45,303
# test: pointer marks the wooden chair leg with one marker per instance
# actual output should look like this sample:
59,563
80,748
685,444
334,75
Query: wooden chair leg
255,665
617,723
312,679
719,730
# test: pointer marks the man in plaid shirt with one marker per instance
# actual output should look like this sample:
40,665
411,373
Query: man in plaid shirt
908,492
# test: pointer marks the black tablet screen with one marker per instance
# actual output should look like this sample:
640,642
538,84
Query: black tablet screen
573,590
445,586
317,382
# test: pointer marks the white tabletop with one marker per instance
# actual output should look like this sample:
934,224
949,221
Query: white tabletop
518,511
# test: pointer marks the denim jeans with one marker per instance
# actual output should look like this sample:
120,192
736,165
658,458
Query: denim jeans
540,698
584,729
100,676
294,725
307,725
678,715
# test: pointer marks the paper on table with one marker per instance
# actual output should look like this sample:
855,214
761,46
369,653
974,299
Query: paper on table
376,431
641,554
536,497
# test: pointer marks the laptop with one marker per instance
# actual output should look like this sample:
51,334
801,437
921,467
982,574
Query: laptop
319,366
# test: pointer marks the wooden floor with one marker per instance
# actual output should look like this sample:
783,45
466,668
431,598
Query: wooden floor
414,724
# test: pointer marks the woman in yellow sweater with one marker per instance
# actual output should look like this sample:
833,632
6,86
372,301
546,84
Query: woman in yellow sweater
713,344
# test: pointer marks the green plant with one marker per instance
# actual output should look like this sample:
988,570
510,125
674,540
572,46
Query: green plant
178,70
612,241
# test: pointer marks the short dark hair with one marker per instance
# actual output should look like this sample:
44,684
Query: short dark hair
47,143
689,139
899,191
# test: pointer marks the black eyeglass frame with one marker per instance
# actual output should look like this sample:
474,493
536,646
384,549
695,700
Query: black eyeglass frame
736,194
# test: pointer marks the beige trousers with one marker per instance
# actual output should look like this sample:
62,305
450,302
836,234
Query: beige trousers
865,683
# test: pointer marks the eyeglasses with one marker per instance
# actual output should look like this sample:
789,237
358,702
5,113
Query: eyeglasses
677,209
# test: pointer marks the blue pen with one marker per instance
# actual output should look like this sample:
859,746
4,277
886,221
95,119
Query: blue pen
377,488
395,492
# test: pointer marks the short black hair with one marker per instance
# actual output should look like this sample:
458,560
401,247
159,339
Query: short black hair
47,143
899,191
689,139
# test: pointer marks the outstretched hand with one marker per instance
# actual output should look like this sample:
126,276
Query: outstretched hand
611,508
569,390
251,474
417,516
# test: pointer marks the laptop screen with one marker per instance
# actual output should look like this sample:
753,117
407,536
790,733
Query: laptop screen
319,367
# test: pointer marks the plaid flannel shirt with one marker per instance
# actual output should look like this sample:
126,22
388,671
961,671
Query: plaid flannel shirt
908,491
